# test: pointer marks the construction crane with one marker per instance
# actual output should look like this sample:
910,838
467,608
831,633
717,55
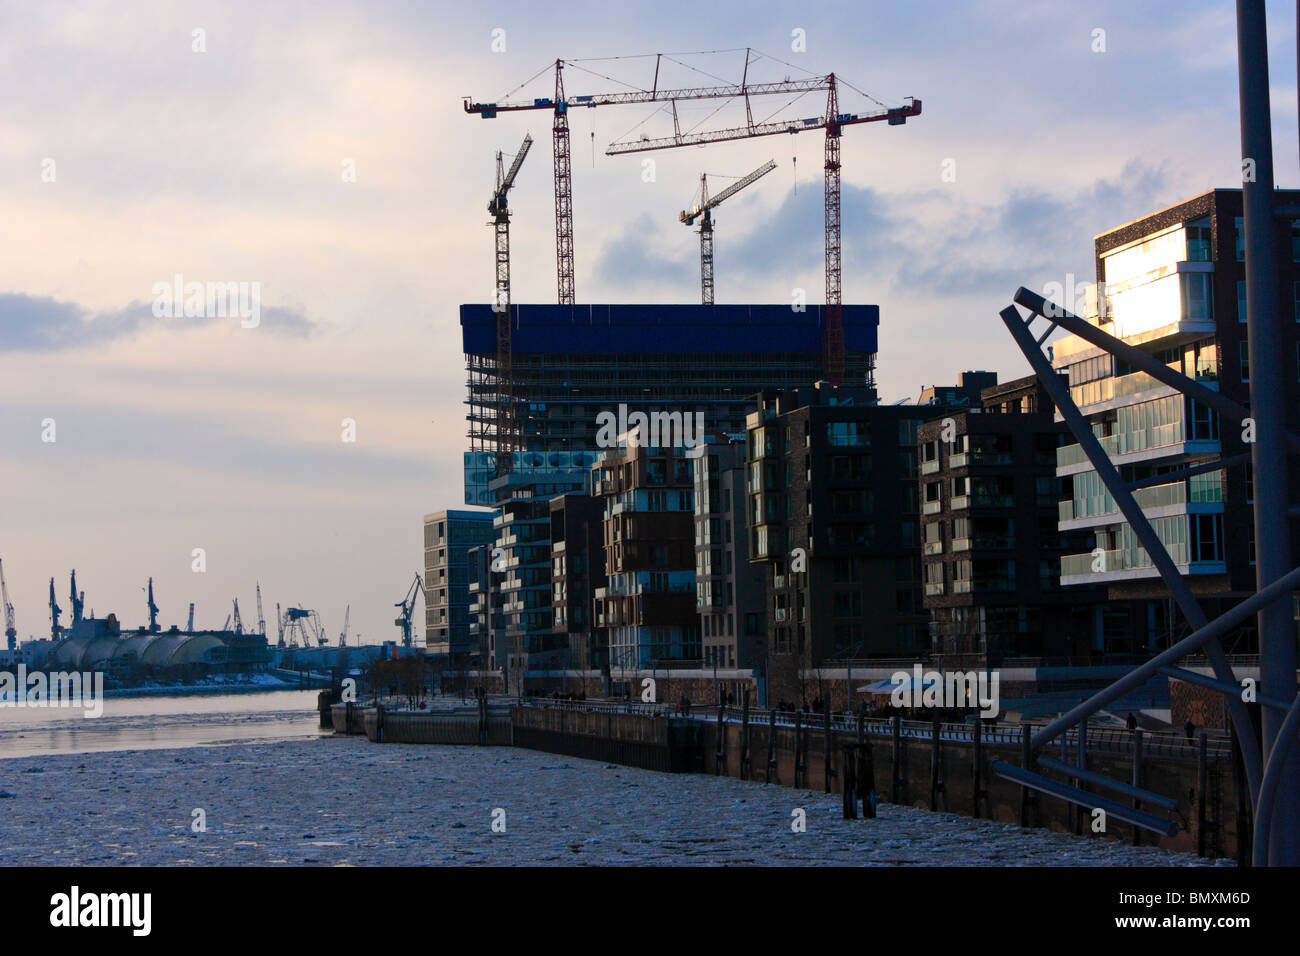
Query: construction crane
11,629
279,624
343,635
56,631
703,211
833,122
560,138
78,599
506,430
239,624
261,619
407,606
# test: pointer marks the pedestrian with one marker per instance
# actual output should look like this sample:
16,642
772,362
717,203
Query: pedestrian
1132,721
1189,729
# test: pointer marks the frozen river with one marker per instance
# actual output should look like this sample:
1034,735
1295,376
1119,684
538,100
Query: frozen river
338,801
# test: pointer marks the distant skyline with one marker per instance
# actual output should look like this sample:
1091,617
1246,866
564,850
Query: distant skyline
129,158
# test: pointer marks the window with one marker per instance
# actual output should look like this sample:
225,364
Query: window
1241,298
1198,296
1295,240
1198,240
848,434
1241,238
1245,361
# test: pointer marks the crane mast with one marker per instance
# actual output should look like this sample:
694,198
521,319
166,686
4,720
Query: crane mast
506,426
261,618
56,630
703,212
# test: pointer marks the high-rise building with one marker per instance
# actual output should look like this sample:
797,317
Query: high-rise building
991,547
1173,285
833,514
580,377
448,537
647,607
729,589
577,570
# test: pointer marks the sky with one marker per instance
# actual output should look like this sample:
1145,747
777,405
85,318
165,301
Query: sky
320,153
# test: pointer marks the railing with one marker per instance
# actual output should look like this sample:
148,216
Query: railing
1119,560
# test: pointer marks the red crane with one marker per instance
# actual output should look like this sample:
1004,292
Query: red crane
833,123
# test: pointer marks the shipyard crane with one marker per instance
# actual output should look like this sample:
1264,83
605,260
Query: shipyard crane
279,624
11,629
703,211
153,611
498,207
303,624
78,600
832,122
239,624
261,619
343,635
407,606
189,625
56,630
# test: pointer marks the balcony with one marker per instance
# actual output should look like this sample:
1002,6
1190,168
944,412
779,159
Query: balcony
935,547
931,507
1126,443
1173,495
933,589
1124,564
929,467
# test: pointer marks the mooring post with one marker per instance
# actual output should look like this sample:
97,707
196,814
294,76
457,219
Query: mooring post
977,766
347,718
896,755
867,780
1081,761
1137,780
1202,779
827,770
850,783
744,734
1026,761
771,744
379,723
720,753
798,749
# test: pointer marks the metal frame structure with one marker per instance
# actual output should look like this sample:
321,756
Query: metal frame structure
1272,765
506,431
704,212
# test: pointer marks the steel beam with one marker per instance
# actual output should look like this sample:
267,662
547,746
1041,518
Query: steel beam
1092,801
1101,780
1193,677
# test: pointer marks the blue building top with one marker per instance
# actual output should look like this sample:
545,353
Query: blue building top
609,329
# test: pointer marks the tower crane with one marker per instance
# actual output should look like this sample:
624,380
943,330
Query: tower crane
11,629
343,635
56,631
407,606
833,122
506,429
703,211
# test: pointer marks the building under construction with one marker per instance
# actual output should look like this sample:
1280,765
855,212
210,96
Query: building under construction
569,363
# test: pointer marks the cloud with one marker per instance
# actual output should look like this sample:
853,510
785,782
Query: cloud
41,323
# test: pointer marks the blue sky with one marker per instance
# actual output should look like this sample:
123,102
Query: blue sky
223,165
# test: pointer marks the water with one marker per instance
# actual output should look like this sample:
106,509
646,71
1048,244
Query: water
154,723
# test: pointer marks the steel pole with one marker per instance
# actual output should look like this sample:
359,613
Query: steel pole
1277,637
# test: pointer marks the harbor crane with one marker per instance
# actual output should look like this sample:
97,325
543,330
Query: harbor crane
279,624
407,606
302,625
153,611
78,599
343,635
11,629
703,211
498,207
261,619
56,630
189,625
239,624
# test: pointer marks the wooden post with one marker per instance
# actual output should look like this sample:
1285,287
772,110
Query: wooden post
771,744
744,735
897,753
798,749
977,767
1137,779
850,783
347,723
827,770
936,765
1026,761
866,774
1082,762
1202,779
379,723
720,755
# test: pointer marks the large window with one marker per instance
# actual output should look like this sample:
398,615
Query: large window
848,434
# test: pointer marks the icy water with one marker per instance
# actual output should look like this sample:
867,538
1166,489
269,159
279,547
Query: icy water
337,801
151,723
